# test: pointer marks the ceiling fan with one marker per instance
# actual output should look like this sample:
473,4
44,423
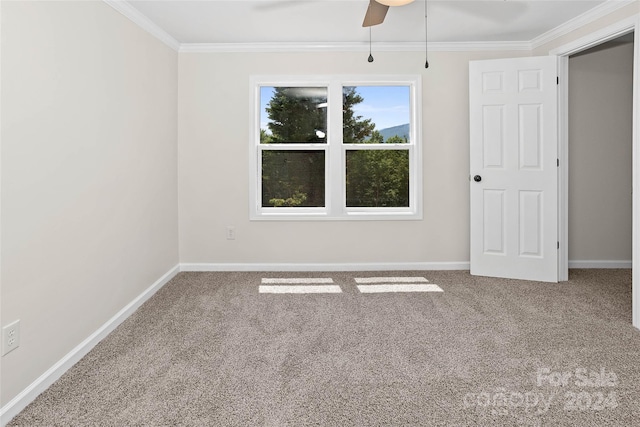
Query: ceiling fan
377,10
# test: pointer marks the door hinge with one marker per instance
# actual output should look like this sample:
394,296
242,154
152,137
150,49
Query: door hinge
558,80
558,245
558,162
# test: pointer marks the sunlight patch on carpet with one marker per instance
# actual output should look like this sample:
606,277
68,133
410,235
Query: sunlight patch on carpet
388,287
294,281
299,289
390,280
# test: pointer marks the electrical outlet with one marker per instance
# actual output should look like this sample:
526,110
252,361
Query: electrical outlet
10,337
231,233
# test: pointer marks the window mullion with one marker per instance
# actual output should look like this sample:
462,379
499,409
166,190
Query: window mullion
335,168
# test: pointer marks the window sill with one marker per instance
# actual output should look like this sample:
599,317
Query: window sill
359,215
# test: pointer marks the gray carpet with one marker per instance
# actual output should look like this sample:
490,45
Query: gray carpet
209,350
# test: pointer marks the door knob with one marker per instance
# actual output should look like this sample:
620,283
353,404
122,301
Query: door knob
477,178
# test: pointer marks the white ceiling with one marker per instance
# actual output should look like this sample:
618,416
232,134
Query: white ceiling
335,21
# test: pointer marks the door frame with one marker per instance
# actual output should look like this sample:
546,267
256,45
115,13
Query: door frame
563,52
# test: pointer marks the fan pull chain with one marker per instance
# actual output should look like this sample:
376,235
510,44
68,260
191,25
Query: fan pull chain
370,59
426,37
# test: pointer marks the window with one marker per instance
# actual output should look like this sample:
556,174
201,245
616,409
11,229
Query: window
335,148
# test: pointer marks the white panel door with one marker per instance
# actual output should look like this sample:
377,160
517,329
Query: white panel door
514,173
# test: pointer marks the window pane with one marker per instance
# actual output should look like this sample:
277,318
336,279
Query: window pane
377,178
293,178
293,115
376,114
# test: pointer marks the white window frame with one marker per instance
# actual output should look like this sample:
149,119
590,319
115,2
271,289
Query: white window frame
335,151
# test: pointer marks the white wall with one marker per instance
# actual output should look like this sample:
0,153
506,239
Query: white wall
89,174
600,152
213,124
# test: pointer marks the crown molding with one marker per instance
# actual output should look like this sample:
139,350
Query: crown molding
588,17
143,22
351,47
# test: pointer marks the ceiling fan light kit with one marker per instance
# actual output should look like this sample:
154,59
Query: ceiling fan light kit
394,2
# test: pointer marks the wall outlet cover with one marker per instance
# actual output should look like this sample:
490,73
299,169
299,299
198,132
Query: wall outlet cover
10,337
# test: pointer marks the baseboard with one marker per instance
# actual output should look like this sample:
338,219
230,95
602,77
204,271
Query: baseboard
28,395
600,264
406,266
390,266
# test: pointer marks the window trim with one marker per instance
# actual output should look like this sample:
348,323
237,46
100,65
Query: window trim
335,151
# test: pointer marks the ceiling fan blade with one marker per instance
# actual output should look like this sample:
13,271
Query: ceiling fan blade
375,14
